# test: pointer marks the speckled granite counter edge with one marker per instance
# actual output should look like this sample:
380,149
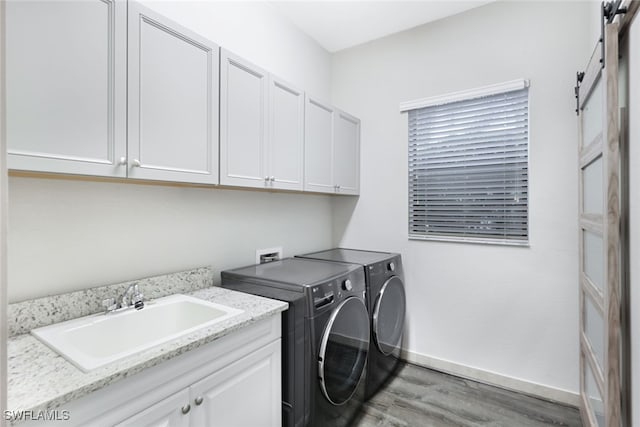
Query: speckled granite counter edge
40,379
24,316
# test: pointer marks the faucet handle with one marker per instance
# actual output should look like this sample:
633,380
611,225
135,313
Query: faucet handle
110,304
137,300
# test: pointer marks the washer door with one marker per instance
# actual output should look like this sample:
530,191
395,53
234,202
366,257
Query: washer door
388,316
343,350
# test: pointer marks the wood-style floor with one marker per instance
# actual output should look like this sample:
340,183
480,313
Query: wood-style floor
420,397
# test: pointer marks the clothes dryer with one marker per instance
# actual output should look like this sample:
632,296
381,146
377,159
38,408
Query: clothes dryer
325,335
386,303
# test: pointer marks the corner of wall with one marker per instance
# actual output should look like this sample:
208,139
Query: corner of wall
3,224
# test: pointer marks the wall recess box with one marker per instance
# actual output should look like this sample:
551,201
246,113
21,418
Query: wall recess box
268,255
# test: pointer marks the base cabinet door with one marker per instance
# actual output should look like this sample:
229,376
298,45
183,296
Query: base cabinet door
173,101
246,393
66,86
170,412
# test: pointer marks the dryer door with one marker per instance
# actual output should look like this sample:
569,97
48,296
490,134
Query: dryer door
388,316
343,350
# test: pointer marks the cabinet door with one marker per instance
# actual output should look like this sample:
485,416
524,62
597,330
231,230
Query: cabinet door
243,123
318,146
245,393
173,101
169,412
66,86
286,142
346,153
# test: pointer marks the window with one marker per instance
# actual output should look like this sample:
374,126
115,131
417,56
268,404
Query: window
468,165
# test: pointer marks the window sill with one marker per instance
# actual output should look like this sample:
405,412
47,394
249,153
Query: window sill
476,240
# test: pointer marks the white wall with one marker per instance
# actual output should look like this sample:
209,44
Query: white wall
504,310
72,234
634,213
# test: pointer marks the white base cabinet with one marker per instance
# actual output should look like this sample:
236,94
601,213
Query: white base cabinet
233,381
221,399
166,413
247,393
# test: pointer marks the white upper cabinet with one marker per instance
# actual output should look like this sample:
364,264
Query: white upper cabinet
285,147
243,122
173,101
332,150
111,88
346,153
318,146
261,127
66,86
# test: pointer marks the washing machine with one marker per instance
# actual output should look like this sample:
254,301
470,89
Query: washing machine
386,303
325,335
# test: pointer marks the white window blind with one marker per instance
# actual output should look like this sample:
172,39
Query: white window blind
468,169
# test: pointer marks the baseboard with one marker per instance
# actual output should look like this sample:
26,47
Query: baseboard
487,377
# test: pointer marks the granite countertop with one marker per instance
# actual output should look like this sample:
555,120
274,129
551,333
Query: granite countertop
40,379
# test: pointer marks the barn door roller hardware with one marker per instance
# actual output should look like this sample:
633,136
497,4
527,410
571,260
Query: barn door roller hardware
611,9
579,77
608,12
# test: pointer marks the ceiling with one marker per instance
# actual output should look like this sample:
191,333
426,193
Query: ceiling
338,25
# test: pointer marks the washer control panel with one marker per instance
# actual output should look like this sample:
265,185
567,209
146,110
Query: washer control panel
325,295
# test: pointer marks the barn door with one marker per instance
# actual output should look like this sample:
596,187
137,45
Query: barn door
600,248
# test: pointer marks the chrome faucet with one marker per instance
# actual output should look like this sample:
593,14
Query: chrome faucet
132,297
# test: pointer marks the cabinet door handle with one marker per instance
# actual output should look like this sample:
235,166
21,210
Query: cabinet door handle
123,161
266,179
186,408
273,178
199,400
136,163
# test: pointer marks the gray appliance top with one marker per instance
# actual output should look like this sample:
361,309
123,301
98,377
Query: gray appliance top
354,256
296,271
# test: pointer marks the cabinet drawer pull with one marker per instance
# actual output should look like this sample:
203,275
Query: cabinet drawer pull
199,400
136,163
186,408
